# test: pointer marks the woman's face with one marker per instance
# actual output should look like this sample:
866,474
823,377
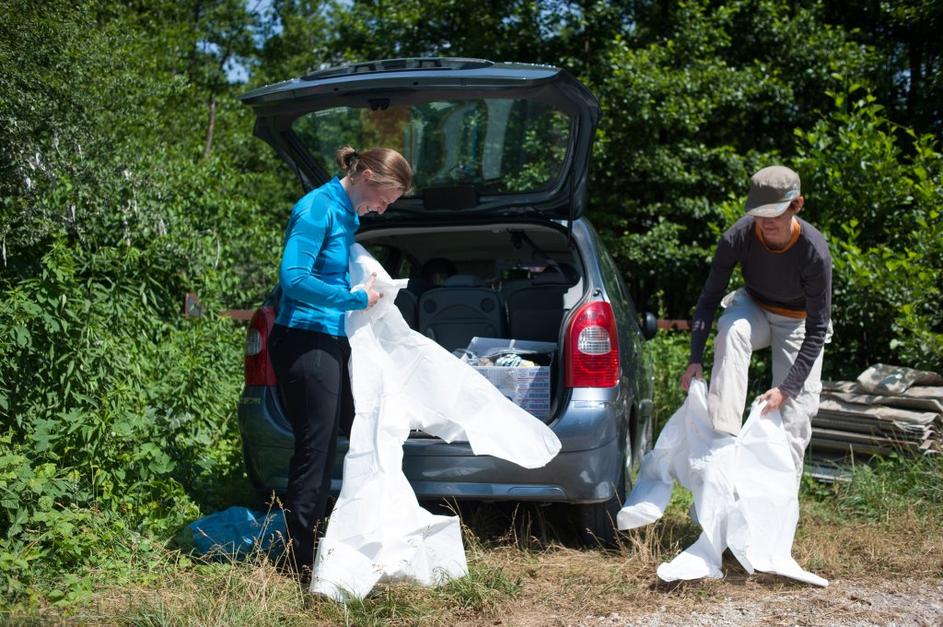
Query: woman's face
368,197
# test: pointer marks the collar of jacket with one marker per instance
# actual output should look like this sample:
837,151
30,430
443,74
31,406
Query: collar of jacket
340,194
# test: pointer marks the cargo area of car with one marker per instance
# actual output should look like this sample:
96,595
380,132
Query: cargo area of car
516,282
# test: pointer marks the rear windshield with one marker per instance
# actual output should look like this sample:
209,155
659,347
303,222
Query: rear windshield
500,146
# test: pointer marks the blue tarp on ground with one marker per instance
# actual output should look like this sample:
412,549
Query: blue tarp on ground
237,531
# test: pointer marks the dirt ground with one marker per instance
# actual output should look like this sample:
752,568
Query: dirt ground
843,603
760,600
877,576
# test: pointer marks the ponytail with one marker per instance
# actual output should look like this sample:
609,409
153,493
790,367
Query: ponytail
389,168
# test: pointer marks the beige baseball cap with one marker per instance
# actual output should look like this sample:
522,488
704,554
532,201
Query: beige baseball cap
771,191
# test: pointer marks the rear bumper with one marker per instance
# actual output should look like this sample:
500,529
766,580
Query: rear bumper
591,431
585,476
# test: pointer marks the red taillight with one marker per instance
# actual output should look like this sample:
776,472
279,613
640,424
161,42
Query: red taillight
592,355
259,369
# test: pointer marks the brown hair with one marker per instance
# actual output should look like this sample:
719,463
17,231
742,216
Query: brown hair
389,167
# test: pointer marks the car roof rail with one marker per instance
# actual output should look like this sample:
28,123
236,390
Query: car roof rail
405,63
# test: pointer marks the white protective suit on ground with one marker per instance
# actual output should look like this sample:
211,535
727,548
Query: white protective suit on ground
744,488
402,380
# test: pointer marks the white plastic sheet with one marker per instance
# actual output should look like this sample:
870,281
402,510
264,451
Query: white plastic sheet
744,488
402,380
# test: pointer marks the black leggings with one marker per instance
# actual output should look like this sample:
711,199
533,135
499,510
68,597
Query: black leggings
311,369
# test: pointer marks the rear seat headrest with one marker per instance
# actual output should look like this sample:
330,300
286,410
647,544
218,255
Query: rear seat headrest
435,270
562,273
418,285
463,280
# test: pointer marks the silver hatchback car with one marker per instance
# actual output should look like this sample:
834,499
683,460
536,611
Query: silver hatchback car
495,244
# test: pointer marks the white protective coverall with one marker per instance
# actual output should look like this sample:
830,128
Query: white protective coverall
743,329
744,488
402,380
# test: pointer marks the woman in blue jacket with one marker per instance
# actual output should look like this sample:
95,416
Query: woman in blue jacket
308,344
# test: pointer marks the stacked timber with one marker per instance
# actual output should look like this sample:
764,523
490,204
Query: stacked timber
887,409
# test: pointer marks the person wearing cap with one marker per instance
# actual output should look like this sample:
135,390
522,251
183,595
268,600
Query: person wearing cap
785,304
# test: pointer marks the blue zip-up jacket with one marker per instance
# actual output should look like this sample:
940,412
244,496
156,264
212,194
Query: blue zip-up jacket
314,273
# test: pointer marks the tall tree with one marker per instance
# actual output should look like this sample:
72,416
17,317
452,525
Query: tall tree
909,79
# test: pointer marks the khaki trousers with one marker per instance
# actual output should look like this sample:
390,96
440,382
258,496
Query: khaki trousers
745,327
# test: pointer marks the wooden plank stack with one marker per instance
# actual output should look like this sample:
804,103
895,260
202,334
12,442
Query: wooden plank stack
887,409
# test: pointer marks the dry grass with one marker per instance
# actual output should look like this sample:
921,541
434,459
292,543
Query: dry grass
255,592
564,586
908,544
521,574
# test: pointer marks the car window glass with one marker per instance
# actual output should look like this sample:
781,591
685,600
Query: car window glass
498,145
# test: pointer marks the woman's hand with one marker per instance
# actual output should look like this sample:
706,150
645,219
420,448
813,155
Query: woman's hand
774,400
694,370
373,296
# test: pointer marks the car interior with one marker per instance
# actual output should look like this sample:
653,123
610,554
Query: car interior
508,281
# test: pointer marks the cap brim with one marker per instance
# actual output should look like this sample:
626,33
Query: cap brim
771,210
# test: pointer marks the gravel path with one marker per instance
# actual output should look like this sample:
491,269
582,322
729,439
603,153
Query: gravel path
843,603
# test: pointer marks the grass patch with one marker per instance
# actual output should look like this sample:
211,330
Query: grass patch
517,579
894,484
254,592
886,525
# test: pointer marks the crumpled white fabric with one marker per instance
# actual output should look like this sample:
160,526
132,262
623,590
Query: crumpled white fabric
744,490
402,380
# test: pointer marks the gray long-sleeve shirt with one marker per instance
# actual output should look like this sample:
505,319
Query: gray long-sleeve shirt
795,280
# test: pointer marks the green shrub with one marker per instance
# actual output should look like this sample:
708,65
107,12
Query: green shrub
117,414
669,353
876,190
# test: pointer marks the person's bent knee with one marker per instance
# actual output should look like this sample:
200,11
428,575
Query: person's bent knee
734,331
